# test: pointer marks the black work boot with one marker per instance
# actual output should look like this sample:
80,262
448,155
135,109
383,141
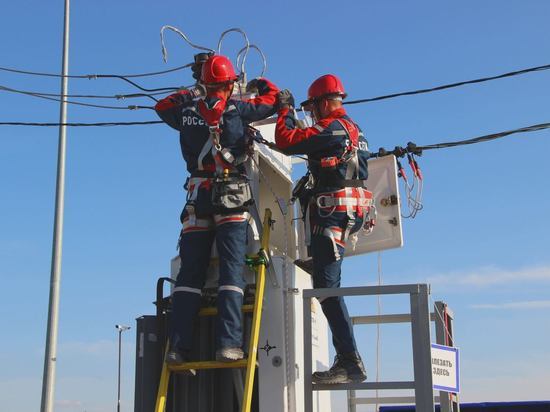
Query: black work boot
347,368
175,356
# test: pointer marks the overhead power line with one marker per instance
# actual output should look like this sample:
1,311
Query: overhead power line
73,124
412,148
450,86
401,151
485,138
40,96
94,76
94,96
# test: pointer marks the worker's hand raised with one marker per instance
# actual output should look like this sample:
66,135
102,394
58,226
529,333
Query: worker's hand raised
252,86
285,100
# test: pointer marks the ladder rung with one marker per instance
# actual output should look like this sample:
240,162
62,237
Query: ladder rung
213,311
209,365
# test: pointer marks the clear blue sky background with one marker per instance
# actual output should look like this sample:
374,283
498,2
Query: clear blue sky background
481,240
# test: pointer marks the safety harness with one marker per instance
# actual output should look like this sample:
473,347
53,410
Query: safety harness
352,198
230,189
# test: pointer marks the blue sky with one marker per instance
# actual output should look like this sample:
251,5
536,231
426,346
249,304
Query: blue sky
481,240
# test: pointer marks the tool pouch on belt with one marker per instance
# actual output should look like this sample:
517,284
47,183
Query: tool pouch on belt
231,193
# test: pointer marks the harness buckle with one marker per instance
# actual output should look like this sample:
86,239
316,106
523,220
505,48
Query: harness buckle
320,201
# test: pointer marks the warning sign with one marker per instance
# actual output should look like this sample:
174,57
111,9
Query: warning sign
445,368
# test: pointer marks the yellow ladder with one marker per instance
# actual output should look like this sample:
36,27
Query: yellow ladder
260,262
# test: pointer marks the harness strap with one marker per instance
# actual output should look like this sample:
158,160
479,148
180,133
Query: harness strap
205,149
335,235
351,216
344,198
327,201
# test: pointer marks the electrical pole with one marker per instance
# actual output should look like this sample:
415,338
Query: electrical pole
50,355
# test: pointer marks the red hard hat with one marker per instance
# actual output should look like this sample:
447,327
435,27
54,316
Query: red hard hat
217,69
329,84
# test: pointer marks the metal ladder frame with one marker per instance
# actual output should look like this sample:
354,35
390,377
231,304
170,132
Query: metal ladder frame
260,261
420,329
447,401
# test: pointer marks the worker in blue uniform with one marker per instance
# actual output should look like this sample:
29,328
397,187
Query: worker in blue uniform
335,202
214,141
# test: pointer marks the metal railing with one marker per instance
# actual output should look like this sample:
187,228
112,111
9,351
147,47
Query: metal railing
442,316
419,318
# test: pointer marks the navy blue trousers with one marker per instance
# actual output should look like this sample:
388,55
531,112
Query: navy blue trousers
327,250
195,245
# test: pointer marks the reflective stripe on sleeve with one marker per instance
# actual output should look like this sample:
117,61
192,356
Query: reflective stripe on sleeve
339,133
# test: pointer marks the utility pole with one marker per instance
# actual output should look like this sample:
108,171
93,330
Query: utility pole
121,328
50,355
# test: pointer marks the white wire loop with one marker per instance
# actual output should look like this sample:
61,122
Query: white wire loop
262,55
183,35
247,42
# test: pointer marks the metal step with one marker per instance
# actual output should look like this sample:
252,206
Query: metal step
208,365
213,311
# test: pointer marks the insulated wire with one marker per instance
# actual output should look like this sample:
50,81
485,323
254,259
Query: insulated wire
133,107
183,35
75,124
485,138
449,86
414,203
160,89
96,96
94,76
262,55
247,44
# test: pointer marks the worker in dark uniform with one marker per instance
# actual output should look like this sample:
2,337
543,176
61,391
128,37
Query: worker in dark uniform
336,204
214,145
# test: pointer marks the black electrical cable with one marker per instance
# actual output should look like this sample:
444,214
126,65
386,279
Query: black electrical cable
104,76
414,149
132,107
166,89
486,138
451,85
93,76
95,96
72,124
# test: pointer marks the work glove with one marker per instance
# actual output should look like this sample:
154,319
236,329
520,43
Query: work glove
252,85
285,100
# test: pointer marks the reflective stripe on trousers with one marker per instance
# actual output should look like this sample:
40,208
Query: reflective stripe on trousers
195,247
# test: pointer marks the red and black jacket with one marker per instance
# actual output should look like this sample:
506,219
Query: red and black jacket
329,139
192,120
